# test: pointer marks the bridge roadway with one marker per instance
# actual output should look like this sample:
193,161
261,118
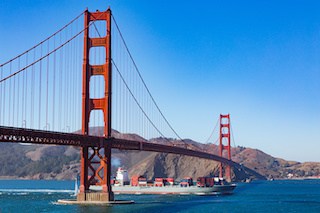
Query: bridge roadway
21,135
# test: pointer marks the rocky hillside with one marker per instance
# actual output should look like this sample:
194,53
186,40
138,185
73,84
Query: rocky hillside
38,161
62,162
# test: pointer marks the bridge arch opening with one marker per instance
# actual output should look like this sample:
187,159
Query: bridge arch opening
96,121
97,29
97,56
97,85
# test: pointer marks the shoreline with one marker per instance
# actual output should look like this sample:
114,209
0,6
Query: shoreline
53,179
30,178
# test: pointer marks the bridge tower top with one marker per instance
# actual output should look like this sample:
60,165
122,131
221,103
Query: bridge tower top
89,70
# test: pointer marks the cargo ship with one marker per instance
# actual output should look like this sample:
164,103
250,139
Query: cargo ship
121,184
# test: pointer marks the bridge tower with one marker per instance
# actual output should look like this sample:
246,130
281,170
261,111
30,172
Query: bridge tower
96,161
224,144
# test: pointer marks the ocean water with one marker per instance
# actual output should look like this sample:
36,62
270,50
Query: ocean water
257,196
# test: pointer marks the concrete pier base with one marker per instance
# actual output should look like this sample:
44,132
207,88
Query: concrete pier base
95,196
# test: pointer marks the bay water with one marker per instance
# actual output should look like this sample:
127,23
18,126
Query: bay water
257,196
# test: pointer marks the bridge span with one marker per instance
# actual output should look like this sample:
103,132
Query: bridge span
22,135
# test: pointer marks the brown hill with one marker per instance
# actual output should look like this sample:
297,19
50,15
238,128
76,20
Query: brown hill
62,162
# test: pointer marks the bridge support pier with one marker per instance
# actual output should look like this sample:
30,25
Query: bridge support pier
95,171
96,161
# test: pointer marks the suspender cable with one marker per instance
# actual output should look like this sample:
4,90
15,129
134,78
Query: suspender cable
137,70
213,130
18,56
135,99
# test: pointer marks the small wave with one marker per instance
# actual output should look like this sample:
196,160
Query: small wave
20,193
36,191
57,203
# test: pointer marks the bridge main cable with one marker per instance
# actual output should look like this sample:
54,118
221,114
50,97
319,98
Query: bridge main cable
143,82
35,46
45,56
135,99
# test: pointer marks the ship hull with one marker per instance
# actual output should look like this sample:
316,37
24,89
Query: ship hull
215,190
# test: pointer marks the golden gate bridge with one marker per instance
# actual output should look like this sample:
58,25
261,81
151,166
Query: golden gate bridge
84,76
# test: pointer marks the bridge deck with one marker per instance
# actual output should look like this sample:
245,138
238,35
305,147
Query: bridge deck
20,135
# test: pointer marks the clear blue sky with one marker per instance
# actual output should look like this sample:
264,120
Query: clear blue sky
257,60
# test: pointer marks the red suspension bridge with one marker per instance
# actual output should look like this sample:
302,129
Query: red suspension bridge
81,77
